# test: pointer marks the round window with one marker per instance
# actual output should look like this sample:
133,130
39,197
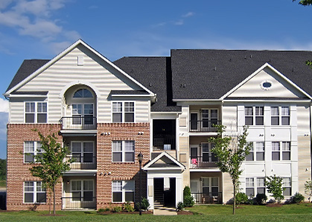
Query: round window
266,85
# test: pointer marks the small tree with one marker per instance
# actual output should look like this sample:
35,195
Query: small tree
52,164
188,200
308,188
274,185
231,152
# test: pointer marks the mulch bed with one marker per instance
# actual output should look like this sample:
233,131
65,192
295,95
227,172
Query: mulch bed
122,212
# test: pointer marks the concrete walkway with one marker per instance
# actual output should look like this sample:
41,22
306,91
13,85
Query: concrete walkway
165,211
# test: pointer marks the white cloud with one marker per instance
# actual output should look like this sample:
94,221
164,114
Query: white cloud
34,18
4,106
189,14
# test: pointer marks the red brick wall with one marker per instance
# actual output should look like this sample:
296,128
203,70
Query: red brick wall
17,171
120,171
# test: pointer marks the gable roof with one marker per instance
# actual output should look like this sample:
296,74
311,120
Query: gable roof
155,74
210,74
164,161
29,74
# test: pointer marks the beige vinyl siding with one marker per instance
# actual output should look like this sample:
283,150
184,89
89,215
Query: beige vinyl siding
142,111
229,117
280,88
99,75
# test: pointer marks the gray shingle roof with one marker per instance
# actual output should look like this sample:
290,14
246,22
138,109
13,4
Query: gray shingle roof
209,74
155,74
27,68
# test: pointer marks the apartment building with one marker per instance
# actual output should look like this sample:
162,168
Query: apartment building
165,108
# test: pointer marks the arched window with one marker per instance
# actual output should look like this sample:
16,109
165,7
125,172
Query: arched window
83,93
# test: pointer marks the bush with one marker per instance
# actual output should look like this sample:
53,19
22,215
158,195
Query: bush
128,207
188,200
103,210
297,198
241,198
144,204
261,198
180,206
117,209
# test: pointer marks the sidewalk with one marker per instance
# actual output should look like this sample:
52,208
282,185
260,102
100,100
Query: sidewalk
165,211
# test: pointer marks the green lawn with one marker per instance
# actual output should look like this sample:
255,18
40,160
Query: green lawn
301,212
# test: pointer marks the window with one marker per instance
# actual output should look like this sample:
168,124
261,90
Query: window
123,191
123,151
250,118
256,153
123,112
82,190
278,153
31,149
260,185
276,118
82,112
82,152
209,117
287,186
250,187
83,93
35,112
34,192
210,185
207,154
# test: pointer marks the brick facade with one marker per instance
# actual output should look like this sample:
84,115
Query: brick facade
18,171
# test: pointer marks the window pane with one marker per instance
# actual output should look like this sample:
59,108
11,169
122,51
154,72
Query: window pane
248,121
250,157
117,117
205,181
206,190
117,146
214,191
117,186
260,156
41,117
248,111
129,157
274,120
285,120
259,120
129,107
275,156
129,185
117,197
259,111
88,147
214,181
206,157
76,147
129,117
287,191
88,196
88,157
285,111
88,109
117,107
29,197
250,192
274,111
129,145
117,157
29,117
286,155
275,146
29,157
129,196
261,190
41,197
76,196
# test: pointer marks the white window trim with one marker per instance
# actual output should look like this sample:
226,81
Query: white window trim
34,192
280,115
77,98
36,111
123,151
35,151
123,111
290,185
255,185
123,191
281,151
254,115
81,151
81,190
209,116
254,151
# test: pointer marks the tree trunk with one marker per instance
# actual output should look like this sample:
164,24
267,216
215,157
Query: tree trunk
234,199
53,200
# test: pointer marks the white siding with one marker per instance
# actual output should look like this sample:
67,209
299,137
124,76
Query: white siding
280,88
65,72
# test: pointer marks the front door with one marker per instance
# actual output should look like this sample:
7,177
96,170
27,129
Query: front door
82,114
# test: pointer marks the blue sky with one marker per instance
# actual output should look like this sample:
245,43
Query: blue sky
40,29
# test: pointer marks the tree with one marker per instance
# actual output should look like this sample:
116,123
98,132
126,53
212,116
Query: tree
2,169
52,164
308,188
304,2
274,185
231,152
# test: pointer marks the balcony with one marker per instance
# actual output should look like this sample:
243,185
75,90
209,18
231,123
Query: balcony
164,142
203,162
86,162
78,123
204,125
207,198
72,203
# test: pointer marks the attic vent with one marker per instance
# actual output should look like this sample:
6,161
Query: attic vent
80,61
266,85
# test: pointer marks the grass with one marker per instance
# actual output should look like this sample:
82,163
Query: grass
294,212
2,183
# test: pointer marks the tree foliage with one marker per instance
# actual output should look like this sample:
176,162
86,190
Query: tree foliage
308,188
52,164
304,2
231,152
2,169
274,185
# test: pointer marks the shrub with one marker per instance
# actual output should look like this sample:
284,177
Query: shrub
128,207
261,198
297,198
241,198
180,206
188,200
117,209
144,204
103,210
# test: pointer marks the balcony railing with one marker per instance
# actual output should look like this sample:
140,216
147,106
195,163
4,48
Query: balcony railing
164,142
82,162
205,161
69,203
78,122
207,198
204,125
